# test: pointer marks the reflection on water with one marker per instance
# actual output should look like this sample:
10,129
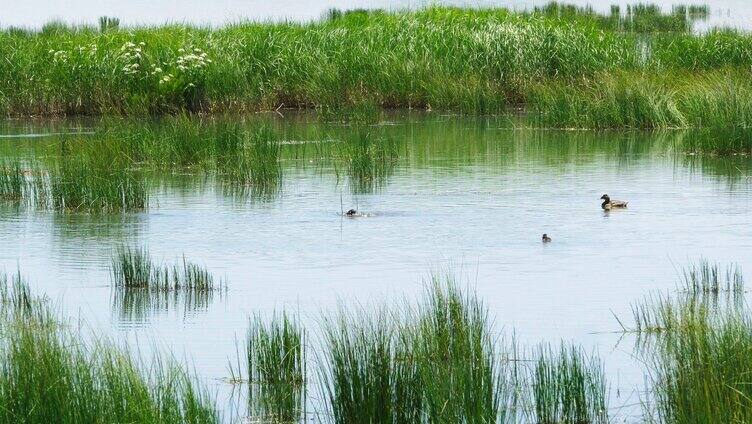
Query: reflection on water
137,306
474,192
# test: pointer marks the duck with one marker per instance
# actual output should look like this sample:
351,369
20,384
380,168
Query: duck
546,238
612,204
351,212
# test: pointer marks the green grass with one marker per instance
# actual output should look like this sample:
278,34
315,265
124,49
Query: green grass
706,292
134,268
73,184
143,286
568,387
12,181
51,374
369,158
700,369
439,58
438,362
701,374
276,353
637,18
366,373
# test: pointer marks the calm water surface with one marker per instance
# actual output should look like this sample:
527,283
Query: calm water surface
466,194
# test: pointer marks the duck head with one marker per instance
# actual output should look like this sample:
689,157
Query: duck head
606,202
351,212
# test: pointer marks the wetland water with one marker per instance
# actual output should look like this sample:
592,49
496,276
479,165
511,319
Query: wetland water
471,194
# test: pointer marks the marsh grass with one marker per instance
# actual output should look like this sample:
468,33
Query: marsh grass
701,374
134,268
568,386
143,286
434,363
370,160
460,373
255,170
52,374
72,184
705,278
700,369
12,181
439,58
276,354
637,18
706,292
25,184
362,379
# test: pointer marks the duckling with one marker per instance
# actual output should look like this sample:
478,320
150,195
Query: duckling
351,213
546,238
609,204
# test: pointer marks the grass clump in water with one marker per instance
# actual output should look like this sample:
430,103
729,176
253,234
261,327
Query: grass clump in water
49,374
436,363
82,185
277,369
12,181
134,268
705,293
457,357
370,160
701,373
254,170
568,387
143,286
367,374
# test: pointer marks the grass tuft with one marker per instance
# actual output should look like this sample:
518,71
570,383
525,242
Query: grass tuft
277,369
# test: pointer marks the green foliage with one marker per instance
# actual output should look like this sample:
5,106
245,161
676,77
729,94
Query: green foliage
50,374
568,387
134,268
467,60
277,369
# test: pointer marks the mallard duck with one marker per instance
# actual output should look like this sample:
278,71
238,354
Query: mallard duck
351,212
546,238
612,204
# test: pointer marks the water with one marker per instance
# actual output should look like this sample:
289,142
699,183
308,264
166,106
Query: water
34,13
469,194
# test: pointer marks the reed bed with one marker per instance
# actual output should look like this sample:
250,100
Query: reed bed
568,386
440,58
12,181
276,354
50,374
366,374
700,369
